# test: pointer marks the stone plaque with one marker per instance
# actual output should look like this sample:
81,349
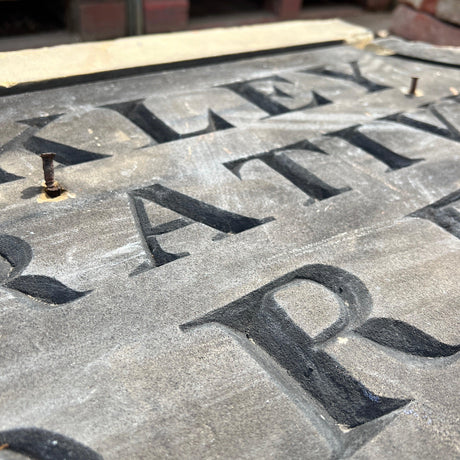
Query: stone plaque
258,258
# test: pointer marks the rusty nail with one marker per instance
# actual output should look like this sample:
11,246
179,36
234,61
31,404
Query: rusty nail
413,86
51,188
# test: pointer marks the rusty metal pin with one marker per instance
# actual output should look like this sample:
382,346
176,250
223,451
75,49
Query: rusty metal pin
413,86
51,188
48,168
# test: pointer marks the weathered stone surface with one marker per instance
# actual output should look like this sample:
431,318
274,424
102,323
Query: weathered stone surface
447,10
416,25
255,259
421,51
38,65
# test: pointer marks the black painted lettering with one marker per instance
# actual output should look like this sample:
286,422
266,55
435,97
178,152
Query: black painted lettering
65,154
261,319
17,142
8,177
355,76
392,159
192,211
401,336
449,131
299,176
260,323
18,255
158,130
42,444
267,102
447,217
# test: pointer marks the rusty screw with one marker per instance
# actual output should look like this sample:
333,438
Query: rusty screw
51,187
413,86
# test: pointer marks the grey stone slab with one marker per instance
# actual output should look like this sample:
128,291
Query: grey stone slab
189,113
447,114
279,288
179,81
97,130
425,51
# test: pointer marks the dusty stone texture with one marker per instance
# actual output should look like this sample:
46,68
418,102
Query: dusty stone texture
256,259
447,10
421,51
417,25
39,65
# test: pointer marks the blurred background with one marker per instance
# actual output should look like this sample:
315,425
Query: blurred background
32,23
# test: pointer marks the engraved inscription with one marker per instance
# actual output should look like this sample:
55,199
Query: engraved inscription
299,176
403,337
65,154
8,177
269,99
354,75
392,159
158,130
261,324
252,347
448,130
45,445
18,254
442,213
192,211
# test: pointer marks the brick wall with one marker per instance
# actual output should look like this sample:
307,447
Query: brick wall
165,15
99,19
104,19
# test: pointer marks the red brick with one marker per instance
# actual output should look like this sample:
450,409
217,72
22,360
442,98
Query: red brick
165,15
429,6
284,9
101,20
415,25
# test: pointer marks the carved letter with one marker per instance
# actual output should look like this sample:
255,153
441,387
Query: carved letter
448,132
261,324
159,131
248,90
65,154
43,444
18,254
442,214
193,211
380,152
354,76
299,176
